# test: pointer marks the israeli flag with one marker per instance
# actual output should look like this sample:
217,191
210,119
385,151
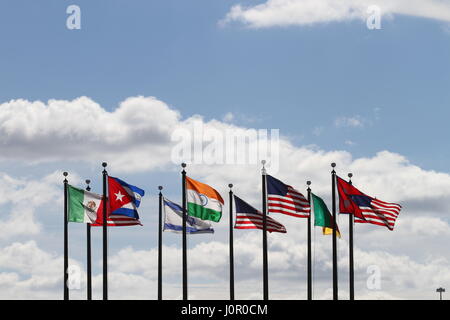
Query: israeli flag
173,220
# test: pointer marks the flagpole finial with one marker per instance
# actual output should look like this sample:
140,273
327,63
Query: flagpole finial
308,183
65,174
104,164
230,185
333,165
350,175
160,187
263,162
88,188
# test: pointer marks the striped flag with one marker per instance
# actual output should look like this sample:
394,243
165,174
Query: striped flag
282,198
123,201
248,217
366,209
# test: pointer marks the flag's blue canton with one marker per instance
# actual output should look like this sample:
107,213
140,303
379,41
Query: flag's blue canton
244,207
362,201
275,186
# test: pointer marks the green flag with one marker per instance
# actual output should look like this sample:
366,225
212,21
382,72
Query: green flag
322,216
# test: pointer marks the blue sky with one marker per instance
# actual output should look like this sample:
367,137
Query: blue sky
291,78
335,88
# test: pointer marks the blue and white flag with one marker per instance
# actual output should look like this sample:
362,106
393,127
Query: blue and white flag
173,220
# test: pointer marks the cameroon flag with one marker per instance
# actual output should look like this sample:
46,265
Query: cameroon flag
322,216
203,201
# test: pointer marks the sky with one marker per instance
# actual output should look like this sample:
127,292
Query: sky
375,101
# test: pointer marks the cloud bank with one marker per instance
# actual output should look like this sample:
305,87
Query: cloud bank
279,13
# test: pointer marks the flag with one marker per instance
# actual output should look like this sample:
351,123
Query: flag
173,220
284,199
203,201
248,217
322,216
82,205
366,209
123,201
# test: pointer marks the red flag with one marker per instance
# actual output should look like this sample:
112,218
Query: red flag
346,205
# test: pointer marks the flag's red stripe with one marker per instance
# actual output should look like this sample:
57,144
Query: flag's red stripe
288,213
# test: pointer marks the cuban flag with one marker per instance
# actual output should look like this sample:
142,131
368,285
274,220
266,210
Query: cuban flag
173,220
123,201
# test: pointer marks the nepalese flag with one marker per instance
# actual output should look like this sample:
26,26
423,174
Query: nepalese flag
173,220
282,198
248,217
366,209
123,201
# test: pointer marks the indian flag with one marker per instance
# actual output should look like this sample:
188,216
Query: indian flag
203,201
322,216
82,205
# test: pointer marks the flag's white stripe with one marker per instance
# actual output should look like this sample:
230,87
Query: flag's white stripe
287,207
303,203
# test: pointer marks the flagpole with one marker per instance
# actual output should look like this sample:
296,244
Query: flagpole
105,234
335,271
185,289
265,262
350,249
231,245
88,253
66,240
160,245
309,270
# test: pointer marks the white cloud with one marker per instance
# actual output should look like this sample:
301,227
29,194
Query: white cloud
424,195
352,122
228,117
276,13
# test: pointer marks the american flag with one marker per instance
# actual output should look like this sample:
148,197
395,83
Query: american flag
366,209
282,198
248,217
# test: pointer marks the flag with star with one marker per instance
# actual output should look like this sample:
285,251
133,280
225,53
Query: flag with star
123,201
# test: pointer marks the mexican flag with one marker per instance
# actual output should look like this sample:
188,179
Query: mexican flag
322,216
82,205
203,201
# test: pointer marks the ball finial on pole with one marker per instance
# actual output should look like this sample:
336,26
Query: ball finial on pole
230,185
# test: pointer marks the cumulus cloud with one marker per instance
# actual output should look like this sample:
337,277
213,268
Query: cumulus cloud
82,130
424,194
276,13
